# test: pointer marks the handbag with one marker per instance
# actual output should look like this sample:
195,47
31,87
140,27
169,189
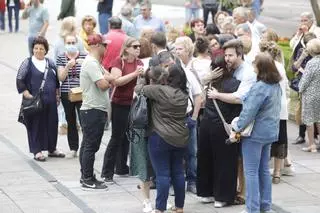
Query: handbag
75,94
34,105
138,116
298,112
294,84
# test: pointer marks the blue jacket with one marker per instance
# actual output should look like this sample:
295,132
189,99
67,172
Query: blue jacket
262,105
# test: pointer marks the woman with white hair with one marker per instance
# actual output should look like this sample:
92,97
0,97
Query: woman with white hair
310,93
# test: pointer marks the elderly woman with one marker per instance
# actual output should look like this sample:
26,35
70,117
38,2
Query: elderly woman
310,93
184,51
261,105
88,25
125,70
217,161
69,67
169,134
219,18
42,128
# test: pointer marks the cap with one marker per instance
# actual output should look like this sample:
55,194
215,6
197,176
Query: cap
97,39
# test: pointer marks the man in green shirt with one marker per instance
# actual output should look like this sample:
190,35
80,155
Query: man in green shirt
94,82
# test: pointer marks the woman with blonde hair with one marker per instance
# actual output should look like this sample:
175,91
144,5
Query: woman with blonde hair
88,25
125,69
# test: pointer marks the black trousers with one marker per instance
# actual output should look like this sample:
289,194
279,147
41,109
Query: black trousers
118,147
71,110
207,8
93,122
303,128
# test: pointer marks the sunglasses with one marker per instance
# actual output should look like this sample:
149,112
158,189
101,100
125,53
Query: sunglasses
136,46
72,42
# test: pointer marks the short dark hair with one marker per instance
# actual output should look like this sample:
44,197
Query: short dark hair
41,40
195,21
159,39
235,44
202,44
177,78
146,49
267,70
212,29
115,22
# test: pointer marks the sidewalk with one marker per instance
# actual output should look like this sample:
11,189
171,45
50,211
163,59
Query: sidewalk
53,186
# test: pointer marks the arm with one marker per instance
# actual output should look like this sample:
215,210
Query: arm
224,97
63,70
123,80
45,18
198,99
26,12
20,80
306,77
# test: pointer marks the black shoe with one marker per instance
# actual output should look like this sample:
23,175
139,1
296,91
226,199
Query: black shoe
93,184
108,180
299,140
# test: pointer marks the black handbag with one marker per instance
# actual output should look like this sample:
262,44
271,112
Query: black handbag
138,116
34,105
294,84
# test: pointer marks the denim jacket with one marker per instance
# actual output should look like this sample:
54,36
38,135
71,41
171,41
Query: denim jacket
262,104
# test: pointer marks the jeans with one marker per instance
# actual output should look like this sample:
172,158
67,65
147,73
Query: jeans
103,22
167,164
16,17
192,13
257,176
2,21
118,147
71,109
93,122
213,8
191,157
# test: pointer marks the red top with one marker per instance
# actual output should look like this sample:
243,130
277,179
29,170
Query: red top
117,38
123,94
2,5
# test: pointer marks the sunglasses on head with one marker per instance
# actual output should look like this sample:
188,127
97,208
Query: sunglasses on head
136,46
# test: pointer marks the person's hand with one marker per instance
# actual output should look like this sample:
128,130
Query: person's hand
302,30
212,75
213,93
300,70
71,63
109,77
139,71
58,99
191,123
27,95
79,61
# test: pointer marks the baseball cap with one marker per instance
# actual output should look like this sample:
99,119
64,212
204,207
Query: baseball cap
97,39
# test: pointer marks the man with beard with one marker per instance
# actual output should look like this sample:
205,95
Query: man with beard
94,82
38,21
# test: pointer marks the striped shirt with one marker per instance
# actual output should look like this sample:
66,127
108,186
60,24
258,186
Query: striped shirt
73,78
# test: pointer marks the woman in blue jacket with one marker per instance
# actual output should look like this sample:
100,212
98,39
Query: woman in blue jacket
262,106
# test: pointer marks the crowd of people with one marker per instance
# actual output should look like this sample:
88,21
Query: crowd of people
203,89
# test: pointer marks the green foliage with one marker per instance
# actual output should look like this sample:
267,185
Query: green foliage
287,52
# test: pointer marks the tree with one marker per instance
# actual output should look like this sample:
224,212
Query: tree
316,10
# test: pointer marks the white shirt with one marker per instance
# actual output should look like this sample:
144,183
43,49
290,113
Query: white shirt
193,85
284,87
39,64
247,76
201,66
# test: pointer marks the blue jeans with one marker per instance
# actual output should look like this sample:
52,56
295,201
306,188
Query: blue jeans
257,176
256,5
192,13
167,164
16,17
2,21
103,22
191,157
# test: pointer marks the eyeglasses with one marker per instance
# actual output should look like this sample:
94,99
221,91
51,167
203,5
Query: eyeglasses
71,42
136,46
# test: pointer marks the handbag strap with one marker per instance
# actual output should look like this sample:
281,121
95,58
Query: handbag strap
45,75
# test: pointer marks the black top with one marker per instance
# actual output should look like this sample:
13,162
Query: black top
229,111
105,6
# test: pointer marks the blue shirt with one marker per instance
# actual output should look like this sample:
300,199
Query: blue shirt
37,17
128,27
153,22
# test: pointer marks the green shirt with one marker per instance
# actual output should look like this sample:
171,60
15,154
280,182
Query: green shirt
92,96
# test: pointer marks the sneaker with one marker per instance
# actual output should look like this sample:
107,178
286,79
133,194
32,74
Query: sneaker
147,206
93,184
71,154
288,171
244,211
170,207
218,204
108,180
192,188
207,199
299,140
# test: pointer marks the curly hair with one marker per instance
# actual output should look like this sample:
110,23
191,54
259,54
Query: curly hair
272,48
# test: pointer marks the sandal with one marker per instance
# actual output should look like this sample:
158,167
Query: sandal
39,157
276,179
311,148
239,200
56,154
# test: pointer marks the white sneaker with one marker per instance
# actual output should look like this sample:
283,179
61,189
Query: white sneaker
288,171
71,154
169,206
244,211
207,199
218,204
147,206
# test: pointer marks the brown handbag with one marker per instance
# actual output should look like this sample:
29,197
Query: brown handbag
75,94
298,112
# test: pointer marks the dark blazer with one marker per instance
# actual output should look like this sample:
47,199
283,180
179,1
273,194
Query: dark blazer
16,3
67,9
105,6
